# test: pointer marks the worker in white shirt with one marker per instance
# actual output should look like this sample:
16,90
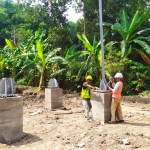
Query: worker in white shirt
116,111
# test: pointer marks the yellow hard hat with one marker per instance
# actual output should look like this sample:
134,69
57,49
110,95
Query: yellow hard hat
89,78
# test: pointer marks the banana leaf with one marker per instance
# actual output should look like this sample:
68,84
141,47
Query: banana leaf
124,21
82,68
144,56
86,42
137,21
39,47
51,54
74,56
10,45
143,44
138,33
57,72
117,27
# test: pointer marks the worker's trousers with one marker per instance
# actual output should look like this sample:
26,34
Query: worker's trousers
87,107
116,111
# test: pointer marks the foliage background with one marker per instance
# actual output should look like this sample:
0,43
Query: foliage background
60,53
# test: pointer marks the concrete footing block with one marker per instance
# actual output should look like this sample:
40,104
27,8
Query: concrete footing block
11,118
101,103
53,98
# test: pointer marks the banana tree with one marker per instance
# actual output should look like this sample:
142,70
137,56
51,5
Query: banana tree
67,76
10,60
46,59
91,64
40,60
131,36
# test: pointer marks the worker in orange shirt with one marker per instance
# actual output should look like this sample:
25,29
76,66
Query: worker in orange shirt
116,111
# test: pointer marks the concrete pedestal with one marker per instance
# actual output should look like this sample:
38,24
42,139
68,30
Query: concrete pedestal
53,98
11,118
101,103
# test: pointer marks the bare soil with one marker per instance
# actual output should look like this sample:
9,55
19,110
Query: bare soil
67,129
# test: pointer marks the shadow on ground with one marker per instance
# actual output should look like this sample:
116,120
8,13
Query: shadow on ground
27,138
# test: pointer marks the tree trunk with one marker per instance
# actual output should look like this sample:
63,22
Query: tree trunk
41,79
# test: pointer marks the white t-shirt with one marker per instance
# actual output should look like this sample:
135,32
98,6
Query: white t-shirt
115,86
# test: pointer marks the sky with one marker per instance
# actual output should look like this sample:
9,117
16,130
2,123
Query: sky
72,15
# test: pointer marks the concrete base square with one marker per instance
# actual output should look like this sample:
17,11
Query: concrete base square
11,118
53,98
101,103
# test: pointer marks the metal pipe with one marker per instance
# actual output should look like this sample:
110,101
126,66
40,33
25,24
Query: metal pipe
101,37
108,82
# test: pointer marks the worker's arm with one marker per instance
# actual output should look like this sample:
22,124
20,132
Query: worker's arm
116,87
87,85
112,82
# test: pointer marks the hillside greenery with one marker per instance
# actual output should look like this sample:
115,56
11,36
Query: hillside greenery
37,43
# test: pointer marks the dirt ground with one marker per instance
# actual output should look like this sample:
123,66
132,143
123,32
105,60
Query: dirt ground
67,129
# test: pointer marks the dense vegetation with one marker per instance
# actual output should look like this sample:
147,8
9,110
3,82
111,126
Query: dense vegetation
37,42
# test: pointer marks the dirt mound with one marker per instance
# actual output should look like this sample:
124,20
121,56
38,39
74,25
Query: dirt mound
137,99
32,93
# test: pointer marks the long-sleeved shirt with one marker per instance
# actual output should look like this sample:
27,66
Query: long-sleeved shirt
115,86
